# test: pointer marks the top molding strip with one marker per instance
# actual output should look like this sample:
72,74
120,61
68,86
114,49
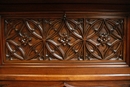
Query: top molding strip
65,1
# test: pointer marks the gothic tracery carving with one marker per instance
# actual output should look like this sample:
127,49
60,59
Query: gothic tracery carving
79,39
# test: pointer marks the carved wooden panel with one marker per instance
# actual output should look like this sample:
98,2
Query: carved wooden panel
64,39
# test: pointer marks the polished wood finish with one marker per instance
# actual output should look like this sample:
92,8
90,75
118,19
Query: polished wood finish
66,84
65,43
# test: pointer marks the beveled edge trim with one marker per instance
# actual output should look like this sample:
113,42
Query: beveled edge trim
89,77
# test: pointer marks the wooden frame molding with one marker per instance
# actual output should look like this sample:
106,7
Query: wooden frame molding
66,77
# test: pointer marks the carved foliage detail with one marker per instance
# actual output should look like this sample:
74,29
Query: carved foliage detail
64,39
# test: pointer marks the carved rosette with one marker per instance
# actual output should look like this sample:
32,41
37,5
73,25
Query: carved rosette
80,39
104,39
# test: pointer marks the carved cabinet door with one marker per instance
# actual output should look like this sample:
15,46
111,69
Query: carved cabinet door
69,45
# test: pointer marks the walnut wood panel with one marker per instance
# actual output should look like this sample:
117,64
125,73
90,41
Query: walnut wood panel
54,47
64,43
64,39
